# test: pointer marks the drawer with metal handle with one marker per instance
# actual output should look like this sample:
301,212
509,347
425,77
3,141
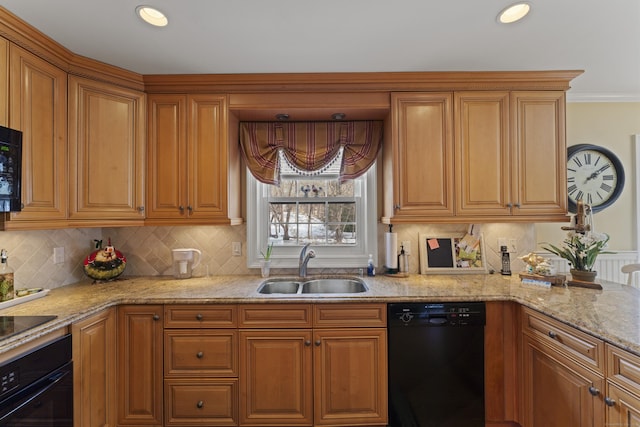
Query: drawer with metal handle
584,347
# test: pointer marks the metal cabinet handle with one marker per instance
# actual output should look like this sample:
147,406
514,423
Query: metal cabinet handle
190,208
594,391
200,355
140,209
307,343
509,205
396,207
199,316
517,205
318,343
181,208
200,404
609,401
156,317
553,335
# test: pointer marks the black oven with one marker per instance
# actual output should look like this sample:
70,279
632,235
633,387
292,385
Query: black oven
36,388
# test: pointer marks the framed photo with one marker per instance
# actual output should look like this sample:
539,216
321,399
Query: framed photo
452,254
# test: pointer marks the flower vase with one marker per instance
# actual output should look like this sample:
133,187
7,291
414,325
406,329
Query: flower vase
583,276
265,267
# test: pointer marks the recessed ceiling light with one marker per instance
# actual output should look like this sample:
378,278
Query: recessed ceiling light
514,13
152,16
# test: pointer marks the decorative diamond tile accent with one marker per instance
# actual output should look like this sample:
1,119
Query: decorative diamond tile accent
148,249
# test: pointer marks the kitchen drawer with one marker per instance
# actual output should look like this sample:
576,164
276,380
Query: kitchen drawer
623,368
586,348
205,402
349,315
275,316
201,353
200,316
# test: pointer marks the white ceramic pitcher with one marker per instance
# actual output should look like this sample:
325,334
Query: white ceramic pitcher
184,261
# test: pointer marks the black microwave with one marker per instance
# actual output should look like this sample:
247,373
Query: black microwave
10,169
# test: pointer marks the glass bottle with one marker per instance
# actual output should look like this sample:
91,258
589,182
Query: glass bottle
7,291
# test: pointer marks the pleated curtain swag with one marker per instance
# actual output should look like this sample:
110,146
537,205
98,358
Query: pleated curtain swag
310,147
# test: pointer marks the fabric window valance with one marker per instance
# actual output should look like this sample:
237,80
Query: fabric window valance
310,146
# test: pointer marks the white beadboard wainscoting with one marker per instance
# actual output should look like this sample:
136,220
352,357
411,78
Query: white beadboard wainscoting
607,265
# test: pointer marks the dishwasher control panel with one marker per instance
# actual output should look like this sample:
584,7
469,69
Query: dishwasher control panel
436,314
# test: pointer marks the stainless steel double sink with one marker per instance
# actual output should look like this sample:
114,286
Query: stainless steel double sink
333,285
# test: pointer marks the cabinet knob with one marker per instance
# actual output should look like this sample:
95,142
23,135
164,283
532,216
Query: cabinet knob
396,207
156,317
190,208
307,343
181,208
318,342
200,404
594,391
517,205
200,355
609,401
140,209
509,205
553,335
199,316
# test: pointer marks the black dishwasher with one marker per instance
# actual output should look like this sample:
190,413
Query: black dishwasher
436,364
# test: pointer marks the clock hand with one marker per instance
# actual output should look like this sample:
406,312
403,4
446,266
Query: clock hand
592,176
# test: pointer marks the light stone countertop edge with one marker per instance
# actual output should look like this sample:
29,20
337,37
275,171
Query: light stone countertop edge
611,314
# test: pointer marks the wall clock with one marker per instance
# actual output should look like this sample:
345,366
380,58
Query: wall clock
595,175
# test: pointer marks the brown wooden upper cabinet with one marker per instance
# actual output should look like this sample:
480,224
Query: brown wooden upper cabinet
479,156
106,153
38,107
187,158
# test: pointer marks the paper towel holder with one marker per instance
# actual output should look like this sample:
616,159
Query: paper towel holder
388,269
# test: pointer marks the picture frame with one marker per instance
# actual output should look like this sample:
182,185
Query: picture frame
446,254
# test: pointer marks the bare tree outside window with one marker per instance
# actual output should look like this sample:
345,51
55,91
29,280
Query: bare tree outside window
317,211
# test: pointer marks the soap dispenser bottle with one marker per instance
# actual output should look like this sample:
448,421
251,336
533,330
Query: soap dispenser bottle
403,261
371,269
7,291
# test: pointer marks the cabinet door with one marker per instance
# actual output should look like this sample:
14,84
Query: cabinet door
538,135
483,169
556,390
166,157
623,408
139,365
350,381
422,155
94,374
106,151
276,377
208,158
4,82
38,107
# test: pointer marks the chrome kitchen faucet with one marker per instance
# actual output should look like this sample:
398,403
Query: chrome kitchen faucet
304,260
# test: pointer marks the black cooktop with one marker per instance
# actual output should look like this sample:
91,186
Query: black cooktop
11,325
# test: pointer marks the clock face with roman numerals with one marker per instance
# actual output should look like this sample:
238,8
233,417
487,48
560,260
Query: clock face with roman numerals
595,175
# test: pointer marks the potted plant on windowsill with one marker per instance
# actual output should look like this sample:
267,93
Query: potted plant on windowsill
581,251
265,263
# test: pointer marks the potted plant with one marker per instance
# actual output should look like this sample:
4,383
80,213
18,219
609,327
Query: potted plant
581,251
265,264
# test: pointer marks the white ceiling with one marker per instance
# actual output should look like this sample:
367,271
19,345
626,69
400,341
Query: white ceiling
274,36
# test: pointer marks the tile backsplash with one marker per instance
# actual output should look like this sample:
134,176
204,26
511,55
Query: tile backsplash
148,249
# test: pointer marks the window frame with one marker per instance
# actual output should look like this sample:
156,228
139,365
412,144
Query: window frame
339,256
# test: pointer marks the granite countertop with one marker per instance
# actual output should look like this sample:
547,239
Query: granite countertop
612,314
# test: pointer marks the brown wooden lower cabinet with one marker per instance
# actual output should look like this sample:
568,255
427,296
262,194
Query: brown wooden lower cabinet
139,365
313,372
557,391
94,355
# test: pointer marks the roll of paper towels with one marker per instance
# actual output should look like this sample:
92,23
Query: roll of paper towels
391,250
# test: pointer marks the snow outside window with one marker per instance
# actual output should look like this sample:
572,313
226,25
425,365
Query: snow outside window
337,219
